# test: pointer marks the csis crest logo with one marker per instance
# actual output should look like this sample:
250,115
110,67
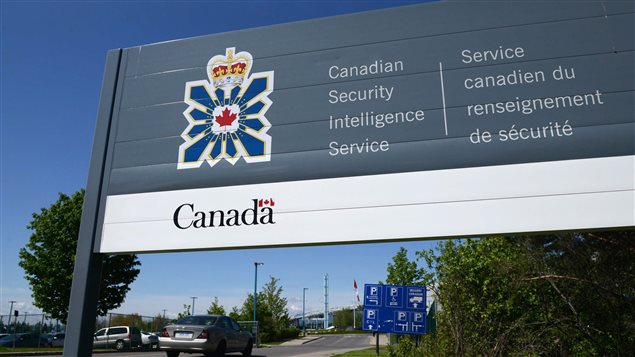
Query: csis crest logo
226,114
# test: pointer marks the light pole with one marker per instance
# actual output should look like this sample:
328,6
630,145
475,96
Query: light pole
256,286
193,299
10,313
303,300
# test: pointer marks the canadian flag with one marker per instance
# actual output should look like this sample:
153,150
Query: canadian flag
266,202
356,291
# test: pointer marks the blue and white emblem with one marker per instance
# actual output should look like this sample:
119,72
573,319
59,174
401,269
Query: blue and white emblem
226,114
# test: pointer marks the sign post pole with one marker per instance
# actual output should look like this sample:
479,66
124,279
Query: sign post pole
82,309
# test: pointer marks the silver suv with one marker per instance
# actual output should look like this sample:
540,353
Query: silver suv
118,337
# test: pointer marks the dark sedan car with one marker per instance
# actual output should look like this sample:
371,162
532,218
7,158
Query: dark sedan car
212,335
21,340
56,339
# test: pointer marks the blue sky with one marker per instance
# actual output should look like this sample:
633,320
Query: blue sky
52,60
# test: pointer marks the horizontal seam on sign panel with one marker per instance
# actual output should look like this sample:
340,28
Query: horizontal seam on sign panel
405,204
432,72
396,76
384,112
601,16
392,143
327,148
431,108
424,109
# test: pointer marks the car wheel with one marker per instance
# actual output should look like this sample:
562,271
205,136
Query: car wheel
220,350
173,354
120,345
247,350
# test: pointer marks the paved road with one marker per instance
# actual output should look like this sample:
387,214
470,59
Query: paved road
327,345
324,346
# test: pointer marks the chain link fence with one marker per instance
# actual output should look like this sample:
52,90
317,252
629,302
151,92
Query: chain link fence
143,323
252,326
43,324
39,326
33,323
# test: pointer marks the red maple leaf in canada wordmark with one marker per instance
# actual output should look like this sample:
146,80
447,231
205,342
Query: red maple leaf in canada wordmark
226,118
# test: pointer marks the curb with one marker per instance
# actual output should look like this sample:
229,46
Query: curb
300,341
311,340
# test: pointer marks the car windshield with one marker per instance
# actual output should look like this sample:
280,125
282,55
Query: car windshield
197,320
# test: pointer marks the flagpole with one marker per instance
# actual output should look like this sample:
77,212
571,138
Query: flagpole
354,301
354,308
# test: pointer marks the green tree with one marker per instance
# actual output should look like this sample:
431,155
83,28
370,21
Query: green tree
127,320
158,322
558,294
215,308
245,313
344,318
402,271
271,312
276,305
488,307
48,260
405,348
236,314
589,281
185,312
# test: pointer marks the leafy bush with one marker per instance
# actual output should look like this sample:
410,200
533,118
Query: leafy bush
405,348
290,333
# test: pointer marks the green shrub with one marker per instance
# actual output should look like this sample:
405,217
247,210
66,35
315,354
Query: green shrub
290,333
406,347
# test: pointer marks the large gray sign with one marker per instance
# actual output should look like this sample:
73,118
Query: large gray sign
436,120
438,90
396,91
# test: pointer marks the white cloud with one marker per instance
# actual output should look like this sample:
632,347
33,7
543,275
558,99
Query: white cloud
23,301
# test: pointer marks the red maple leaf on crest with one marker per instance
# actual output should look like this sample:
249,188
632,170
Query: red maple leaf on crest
226,118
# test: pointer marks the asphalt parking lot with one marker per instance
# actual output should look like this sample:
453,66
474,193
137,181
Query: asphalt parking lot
310,346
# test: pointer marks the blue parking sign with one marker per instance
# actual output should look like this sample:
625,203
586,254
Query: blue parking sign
370,320
402,322
394,296
395,309
418,322
416,297
372,295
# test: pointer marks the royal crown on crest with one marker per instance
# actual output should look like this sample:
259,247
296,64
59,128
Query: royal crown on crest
229,70
226,114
